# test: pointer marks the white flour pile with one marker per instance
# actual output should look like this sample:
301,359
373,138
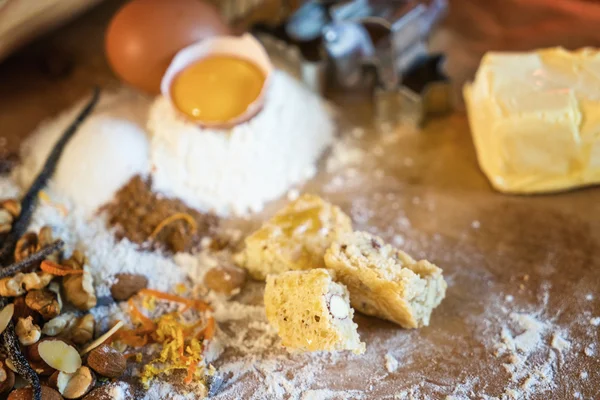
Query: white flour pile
109,149
238,170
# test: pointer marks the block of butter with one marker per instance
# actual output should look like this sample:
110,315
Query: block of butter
535,119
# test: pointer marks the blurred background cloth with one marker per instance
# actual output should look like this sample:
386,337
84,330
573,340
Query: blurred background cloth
474,27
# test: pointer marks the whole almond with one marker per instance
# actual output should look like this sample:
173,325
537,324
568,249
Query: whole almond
26,393
225,279
126,285
107,361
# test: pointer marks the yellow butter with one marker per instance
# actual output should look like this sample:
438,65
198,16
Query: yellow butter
535,119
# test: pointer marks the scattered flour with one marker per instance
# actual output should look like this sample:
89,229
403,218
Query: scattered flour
595,321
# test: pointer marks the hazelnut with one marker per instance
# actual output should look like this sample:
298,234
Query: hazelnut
77,384
225,279
44,301
26,393
126,285
7,378
107,361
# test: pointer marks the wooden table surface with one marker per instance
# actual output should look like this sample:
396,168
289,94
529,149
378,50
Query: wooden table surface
544,251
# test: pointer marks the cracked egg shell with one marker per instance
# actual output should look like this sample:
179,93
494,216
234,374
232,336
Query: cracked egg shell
246,49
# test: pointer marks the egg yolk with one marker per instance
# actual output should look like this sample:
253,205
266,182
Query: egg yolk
217,88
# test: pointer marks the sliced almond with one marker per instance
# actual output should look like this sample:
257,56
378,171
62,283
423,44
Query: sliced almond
103,338
338,307
5,316
60,355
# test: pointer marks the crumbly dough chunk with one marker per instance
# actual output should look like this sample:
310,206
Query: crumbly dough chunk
295,238
386,282
311,312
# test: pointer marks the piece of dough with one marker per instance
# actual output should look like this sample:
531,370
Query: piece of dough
295,238
311,312
386,282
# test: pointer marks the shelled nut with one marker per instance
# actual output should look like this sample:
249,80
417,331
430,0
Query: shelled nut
26,393
59,355
26,246
6,220
225,279
27,332
58,325
45,302
107,361
77,384
79,290
12,206
126,285
7,378
83,330
338,307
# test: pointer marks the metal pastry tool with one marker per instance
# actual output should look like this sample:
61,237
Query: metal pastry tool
376,44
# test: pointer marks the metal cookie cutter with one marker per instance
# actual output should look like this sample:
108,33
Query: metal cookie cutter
380,44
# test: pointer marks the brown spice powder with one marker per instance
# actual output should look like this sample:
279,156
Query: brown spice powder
136,212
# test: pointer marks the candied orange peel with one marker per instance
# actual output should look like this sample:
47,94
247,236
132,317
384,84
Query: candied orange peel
172,218
57,269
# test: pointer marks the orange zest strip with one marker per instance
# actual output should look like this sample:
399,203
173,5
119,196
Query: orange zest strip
197,304
58,270
190,374
175,217
209,330
146,322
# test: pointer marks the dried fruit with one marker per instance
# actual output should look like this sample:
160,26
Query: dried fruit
83,329
126,285
5,316
59,355
77,384
27,394
107,361
7,379
26,246
103,338
27,332
45,302
338,307
79,290
226,279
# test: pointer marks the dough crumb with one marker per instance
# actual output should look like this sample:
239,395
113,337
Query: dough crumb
391,364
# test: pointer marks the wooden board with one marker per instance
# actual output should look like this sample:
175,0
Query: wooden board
537,256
